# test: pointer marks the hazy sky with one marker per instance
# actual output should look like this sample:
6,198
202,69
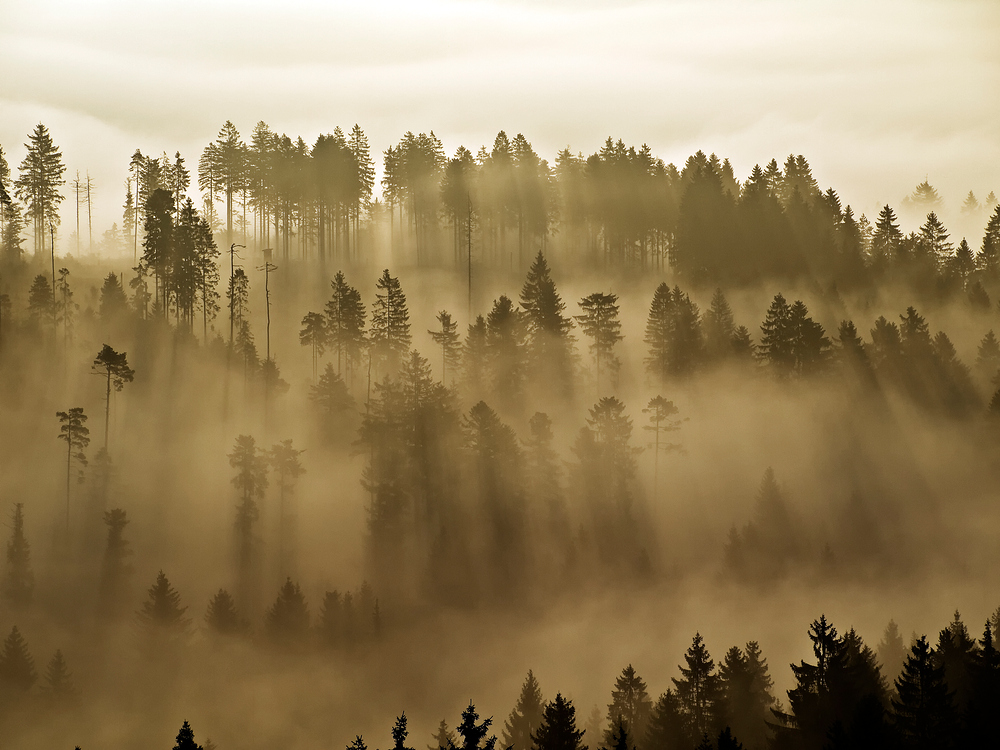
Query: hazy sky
877,95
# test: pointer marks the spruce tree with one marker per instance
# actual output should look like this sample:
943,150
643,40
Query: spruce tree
390,324
250,483
17,668
161,614
450,342
37,186
287,620
600,322
444,738
924,711
526,716
345,324
115,570
399,732
700,690
19,581
630,707
314,335
549,342
776,341
891,651
222,617
668,727
474,733
719,327
185,739
334,404
557,730
58,680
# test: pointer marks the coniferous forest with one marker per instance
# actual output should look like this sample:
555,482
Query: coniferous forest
321,446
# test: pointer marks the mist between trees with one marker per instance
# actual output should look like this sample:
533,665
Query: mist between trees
288,458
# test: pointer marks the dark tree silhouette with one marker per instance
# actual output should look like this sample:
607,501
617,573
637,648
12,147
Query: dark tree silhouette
314,335
557,730
600,322
250,483
114,366
19,581
185,739
525,718
924,712
287,621
630,708
222,617
390,324
76,436
473,734
450,342
700,690
162,616
58,680
17,668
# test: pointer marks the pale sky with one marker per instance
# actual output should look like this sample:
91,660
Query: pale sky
876,95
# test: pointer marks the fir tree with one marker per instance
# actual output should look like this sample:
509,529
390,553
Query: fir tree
719,327
600,322
288,618
390,325
345,323
250,483
17,668
162,613
891,651
700,690
557,730
333,403
668,727
924,712
444,738
547,328
37,186
19,581
185,739
399,732
222,616
314,335
525,718
115,570
630,707
474,734
58,680
449,341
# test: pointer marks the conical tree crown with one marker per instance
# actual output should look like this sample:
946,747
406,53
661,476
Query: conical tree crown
526,717
185,739
557,730
163,610
17,668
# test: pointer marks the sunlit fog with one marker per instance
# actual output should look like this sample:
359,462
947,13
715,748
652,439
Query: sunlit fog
499,375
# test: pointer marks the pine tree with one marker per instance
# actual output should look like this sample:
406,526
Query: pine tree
719,327
345,323
746,688
887,237
526,716
222,616
314,335
17,668
114,366
450,342
668,727
809,344
185,739
630,707
250,483
474,734
390,326
600,322
399,732
557,730
444,738
115,570
37,186
58,680
935,239
924,712
776,341
75,434
700,690
19,581
891,651
547,328
288,618
162,613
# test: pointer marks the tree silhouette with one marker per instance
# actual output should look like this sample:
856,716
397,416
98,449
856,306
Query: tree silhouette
162,616
630,708
600,322
525,718
41,302
444,738
115,570
547,329
250,483
661,420
924,712
314,335
390,325
37,186
17,668
19,581
284,461
699,690
222,616
557,730
668,726
76,435
114,366
58,680
474,734
185,739
345,323
287,620
450,342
